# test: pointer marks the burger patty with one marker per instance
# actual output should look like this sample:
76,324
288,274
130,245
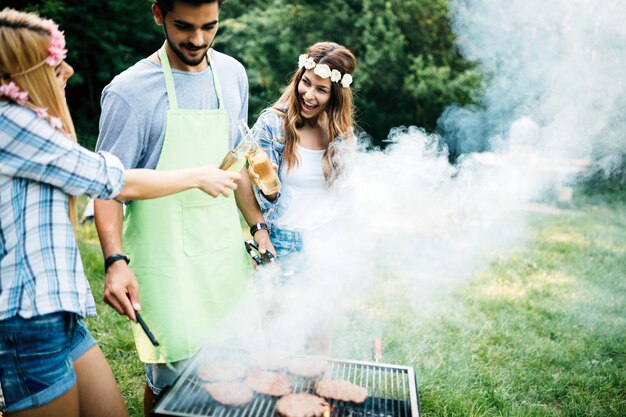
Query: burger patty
301,405
230,393
308,367
269,383
221,371
341,390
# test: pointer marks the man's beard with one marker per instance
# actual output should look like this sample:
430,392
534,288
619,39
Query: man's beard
181,55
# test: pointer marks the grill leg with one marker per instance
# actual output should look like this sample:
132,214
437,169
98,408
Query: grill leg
377,349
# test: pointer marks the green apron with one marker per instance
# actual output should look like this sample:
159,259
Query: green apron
187,249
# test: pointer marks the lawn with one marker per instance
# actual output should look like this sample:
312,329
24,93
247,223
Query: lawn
540,332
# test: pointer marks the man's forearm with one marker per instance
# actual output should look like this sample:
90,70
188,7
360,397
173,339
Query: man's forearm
109,219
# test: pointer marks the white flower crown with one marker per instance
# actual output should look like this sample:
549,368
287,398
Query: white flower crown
324,71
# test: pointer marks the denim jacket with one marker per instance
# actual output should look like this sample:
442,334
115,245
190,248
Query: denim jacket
269,129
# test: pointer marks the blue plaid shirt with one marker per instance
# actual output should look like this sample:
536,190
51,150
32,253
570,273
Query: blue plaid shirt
40,268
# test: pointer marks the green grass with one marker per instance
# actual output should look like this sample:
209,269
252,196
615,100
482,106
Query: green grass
539,332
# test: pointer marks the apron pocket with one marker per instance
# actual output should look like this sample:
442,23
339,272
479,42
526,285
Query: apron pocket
204,228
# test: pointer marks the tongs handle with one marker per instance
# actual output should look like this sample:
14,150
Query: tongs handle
260,258
146,329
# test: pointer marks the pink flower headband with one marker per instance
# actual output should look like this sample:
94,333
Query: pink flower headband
13,92
56,55
56,49
324,71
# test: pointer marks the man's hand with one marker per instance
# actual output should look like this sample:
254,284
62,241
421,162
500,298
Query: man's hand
121,290
215,181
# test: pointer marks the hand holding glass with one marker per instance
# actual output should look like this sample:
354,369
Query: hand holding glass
266,177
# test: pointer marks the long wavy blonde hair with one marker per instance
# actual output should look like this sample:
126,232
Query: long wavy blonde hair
25,38
339,114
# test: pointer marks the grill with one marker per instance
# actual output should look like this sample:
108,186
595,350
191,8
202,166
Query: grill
392,393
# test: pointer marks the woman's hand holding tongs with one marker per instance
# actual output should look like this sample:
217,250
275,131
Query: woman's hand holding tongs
264,244
259,258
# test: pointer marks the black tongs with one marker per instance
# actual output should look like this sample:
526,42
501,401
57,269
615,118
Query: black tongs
260,258
146,329
144,326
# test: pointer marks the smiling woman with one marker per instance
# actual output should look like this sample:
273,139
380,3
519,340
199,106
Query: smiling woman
305,133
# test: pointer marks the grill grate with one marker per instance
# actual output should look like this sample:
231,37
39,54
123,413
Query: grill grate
392,393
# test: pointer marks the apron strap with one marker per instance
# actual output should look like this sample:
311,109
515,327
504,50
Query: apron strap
216,82
169,80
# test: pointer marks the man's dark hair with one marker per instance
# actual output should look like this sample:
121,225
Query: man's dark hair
167,5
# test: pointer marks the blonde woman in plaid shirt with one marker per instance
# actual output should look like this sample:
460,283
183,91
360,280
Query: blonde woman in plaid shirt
49,363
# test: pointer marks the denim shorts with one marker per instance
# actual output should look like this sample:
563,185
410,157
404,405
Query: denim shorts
36,357
286,242
161,375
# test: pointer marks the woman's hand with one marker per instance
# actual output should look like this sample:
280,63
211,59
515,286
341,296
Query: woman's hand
149,183
262,238
256,180
254,177
215,181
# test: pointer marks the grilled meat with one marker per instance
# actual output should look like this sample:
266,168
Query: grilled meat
230,393
269,383
301,405
341,390
221,371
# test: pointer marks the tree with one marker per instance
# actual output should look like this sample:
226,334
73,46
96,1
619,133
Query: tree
103,39
408,69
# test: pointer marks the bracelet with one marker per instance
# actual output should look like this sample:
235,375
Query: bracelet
110,260
259,226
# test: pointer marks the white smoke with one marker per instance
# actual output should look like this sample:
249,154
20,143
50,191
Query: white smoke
408,222
560,63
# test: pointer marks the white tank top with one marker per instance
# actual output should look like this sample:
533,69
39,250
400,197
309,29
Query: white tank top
305,198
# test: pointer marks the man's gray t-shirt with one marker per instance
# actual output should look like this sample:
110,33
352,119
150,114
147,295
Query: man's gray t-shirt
134,106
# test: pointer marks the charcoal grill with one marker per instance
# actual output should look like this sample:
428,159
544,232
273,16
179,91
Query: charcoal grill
392,393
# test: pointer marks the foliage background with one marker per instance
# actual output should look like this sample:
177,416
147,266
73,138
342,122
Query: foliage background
408,67
410,71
